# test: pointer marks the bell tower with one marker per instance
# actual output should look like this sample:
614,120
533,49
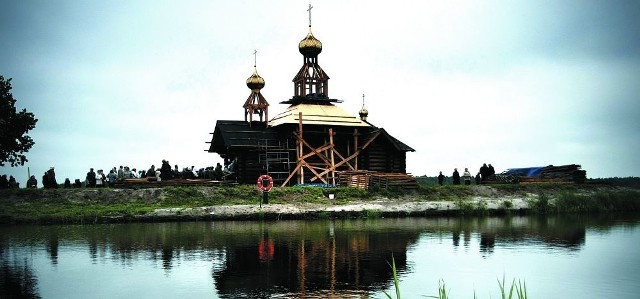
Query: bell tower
311,81
256,103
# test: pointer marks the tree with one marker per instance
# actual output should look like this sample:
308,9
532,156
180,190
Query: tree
14,125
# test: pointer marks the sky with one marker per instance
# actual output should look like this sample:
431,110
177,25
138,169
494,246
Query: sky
511,83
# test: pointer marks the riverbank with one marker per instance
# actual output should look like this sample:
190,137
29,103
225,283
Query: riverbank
167,203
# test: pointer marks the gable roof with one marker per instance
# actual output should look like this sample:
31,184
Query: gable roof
382,133
234,134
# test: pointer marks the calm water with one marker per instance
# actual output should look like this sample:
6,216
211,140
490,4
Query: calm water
557,257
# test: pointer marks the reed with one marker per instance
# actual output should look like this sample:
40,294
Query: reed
518,289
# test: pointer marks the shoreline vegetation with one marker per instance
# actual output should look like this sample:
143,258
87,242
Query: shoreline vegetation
242,202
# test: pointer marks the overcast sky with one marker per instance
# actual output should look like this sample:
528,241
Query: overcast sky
512,83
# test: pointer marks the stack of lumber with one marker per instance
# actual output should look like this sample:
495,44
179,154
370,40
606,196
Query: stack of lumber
567,173
355,179
367,179
563,174
393,180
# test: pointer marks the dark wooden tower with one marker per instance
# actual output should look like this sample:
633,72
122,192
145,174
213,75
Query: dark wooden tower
256,103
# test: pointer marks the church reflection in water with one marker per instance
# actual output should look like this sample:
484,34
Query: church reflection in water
312,259
314,263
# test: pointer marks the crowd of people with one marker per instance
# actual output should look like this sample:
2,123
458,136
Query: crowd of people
97,178
485,172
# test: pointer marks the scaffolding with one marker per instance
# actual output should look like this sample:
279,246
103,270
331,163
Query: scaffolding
274,156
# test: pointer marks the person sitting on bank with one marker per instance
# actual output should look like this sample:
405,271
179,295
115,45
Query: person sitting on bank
67,183
151,173
440,178
32,182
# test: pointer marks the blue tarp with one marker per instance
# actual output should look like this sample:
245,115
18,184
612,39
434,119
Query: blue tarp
528,171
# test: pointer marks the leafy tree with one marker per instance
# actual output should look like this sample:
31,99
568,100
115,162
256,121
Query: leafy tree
14,125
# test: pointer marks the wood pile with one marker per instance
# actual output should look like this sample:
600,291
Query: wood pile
370,179
566,173
355,179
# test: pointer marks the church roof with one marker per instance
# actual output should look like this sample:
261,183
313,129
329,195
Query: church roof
380,132
313,114
234,135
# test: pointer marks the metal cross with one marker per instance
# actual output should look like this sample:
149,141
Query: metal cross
363,99
309,10
255,52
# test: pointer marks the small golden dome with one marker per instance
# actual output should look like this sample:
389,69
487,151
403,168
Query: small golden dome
363,113
310,46
255,82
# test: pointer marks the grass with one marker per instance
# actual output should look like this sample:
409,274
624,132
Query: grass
87,205
520,287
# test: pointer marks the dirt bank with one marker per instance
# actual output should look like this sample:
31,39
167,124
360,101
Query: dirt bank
243,202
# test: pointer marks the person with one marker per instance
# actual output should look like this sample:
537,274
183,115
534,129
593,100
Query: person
45,181
165,170
111,178
440,178
51,177
77,183
484,172
151,173
456,177
467,176
12,182
67,183
100,178
491,171
217,172
127,173
32,182
478,179
4,182
121,173
91,178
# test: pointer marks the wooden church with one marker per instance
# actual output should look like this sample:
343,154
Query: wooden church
314,141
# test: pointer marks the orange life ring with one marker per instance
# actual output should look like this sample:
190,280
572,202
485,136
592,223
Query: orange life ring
261,186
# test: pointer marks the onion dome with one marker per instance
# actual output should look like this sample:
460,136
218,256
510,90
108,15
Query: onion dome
255,82
363,113
310,46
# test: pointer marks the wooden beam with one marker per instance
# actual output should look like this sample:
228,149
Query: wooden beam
342,158
316,151
333,166
300,148
291,174
354,154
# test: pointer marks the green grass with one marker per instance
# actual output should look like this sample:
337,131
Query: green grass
520,287
86,205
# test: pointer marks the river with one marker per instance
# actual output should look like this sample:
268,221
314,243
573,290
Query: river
555,256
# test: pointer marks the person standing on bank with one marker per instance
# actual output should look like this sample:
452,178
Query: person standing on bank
467,176
91,178
440,178
456,177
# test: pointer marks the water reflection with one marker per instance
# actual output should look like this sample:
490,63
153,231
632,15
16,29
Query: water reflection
341,258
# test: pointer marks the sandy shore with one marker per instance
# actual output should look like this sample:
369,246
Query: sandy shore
379,207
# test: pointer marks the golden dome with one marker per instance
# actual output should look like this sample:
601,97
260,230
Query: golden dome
310,46
363,113
255,82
